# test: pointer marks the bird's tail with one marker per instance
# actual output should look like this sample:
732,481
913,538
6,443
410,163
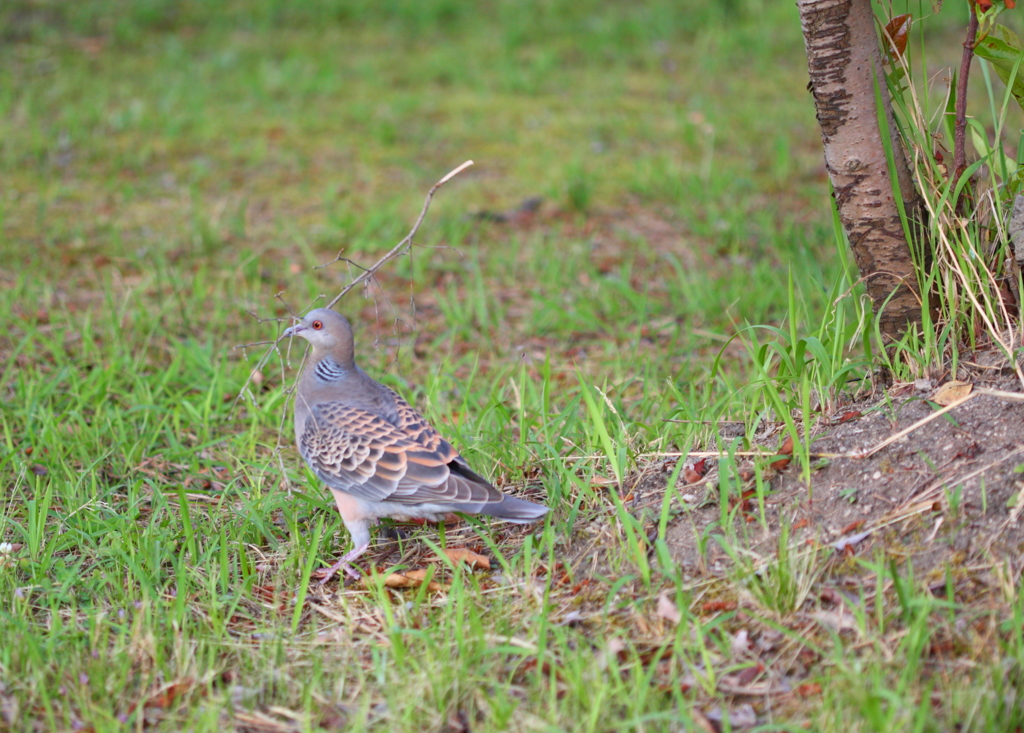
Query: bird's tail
511,509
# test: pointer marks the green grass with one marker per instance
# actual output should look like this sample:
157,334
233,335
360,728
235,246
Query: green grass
167,168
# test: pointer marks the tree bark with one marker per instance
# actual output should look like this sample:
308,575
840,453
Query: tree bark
845,64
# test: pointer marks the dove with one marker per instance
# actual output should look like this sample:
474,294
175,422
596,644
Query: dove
378,456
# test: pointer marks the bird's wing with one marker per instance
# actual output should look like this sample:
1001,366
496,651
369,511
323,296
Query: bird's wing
364,455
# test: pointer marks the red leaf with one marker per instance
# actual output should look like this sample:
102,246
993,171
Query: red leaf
896,32
808,689
786,451
846,417
693,474
748,675
718,606
851,527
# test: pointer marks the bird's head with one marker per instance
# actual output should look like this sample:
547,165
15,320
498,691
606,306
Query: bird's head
326,330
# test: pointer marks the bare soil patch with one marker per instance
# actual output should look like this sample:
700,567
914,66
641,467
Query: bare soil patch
948,493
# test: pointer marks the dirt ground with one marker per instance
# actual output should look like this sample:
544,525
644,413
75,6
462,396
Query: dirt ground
947,493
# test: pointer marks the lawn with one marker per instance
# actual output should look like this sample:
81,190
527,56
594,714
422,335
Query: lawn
173,175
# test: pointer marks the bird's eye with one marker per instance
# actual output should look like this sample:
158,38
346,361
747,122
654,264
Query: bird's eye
317,325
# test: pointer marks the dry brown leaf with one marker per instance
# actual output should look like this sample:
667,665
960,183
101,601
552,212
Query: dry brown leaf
836,621
718,606
411,579
847,416
786,451
167,696
473,560
950,392
695,472
667,610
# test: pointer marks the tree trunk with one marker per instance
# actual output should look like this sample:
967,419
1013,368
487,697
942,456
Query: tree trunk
845,64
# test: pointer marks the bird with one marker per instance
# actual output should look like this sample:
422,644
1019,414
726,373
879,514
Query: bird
377,455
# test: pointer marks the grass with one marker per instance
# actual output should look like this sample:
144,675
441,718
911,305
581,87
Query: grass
168,167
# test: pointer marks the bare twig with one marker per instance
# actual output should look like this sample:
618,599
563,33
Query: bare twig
1001,394
366,274
920,423
960,127
404,245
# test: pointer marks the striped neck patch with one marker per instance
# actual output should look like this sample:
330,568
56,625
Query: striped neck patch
328,370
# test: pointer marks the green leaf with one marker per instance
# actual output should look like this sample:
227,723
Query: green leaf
1002,48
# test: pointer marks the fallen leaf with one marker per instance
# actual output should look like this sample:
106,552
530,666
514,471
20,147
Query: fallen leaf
786,451
808,688
667,610
717,606
473,560
830,596
166,695
800,523
39,470
265,593
695,472
836,621
746,676
740,716
852,526
410,579
970,451
950,392
846,417
740,643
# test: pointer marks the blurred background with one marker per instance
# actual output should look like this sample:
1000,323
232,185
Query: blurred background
226,148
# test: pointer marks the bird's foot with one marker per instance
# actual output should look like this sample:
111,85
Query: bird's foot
345,564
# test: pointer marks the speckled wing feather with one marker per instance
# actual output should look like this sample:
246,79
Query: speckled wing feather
371,458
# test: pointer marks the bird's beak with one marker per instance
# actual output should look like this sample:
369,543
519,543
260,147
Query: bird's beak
294,330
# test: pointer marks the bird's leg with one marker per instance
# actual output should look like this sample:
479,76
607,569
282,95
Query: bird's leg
344,564
358,526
